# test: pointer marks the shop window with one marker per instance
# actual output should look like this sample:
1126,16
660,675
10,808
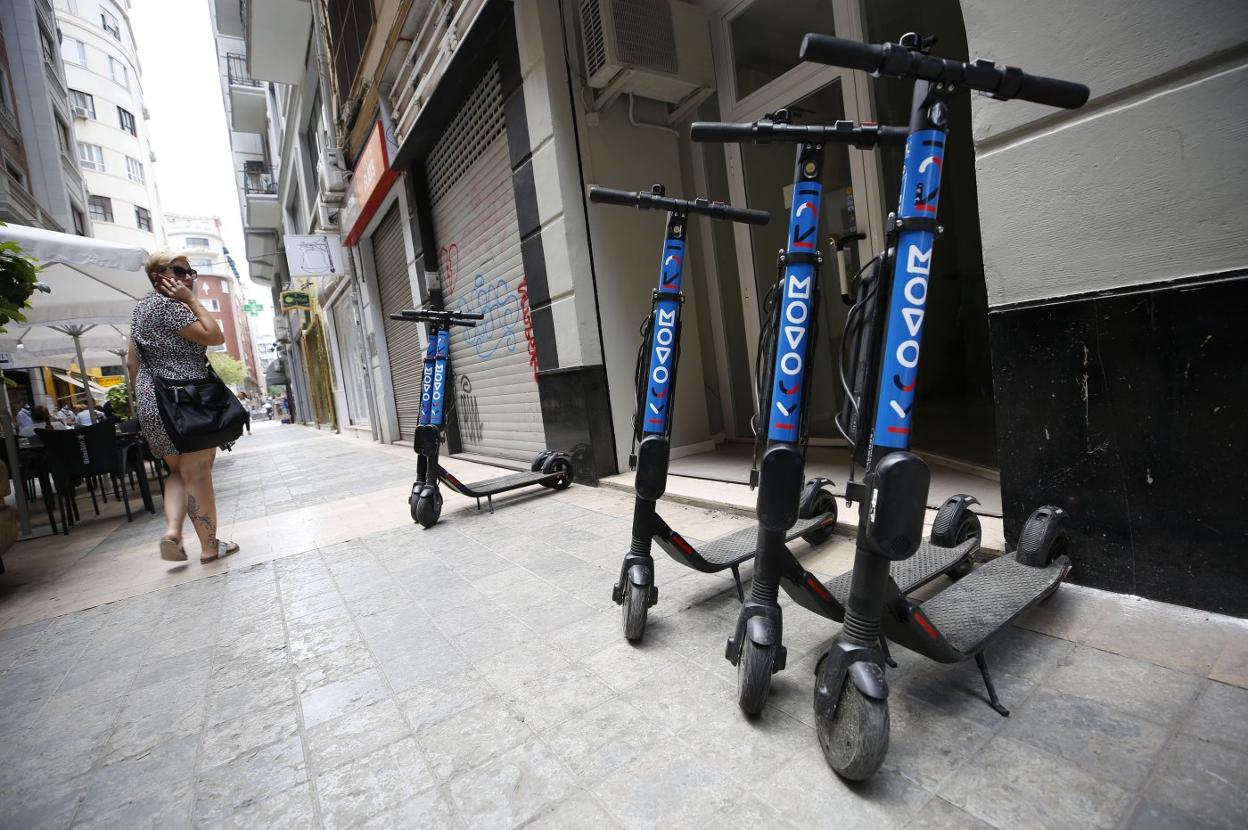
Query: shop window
765,37
101,208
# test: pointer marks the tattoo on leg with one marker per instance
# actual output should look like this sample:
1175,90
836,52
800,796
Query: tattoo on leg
200,518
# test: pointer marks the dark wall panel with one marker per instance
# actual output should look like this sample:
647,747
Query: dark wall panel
1129,410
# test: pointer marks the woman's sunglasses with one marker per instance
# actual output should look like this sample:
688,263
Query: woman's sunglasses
182,273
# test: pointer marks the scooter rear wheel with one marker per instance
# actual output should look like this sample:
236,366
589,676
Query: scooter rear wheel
428,510
855,741
560,464
754,676
825,504
633,611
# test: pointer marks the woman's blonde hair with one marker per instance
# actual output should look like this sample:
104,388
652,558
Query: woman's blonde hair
161,260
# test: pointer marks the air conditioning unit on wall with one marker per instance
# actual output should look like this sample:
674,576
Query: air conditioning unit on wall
658,49
332,172
327,216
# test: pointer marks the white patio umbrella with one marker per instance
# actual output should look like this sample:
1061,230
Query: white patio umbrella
90,282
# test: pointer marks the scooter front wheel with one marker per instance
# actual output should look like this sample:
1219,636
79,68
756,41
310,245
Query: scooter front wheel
633,611
428,510
855,740
754,676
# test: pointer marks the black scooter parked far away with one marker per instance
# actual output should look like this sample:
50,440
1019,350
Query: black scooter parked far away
959,622
657,359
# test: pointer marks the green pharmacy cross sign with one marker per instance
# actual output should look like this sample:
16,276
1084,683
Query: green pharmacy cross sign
252,308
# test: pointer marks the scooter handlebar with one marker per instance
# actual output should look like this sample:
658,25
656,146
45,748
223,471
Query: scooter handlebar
896,60
451,318
765,131
649,200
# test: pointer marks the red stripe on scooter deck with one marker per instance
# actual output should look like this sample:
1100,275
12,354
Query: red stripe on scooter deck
979,605
928,562
739,546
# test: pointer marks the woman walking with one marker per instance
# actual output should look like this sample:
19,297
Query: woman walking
169,335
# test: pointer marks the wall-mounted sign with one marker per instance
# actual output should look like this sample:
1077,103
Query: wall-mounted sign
296,301
315,255
370,182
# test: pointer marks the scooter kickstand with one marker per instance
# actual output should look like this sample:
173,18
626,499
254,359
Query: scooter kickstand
888,658
736,576
993,700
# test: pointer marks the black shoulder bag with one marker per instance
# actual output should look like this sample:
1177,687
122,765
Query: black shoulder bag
199,413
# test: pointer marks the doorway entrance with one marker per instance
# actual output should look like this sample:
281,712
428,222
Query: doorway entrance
756,44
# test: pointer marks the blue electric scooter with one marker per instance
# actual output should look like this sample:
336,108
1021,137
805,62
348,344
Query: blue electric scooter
549,469
657,361
958,623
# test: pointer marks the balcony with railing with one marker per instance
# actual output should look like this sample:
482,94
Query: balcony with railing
260,195
248,102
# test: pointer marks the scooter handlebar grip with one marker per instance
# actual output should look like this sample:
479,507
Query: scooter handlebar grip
611,196
838,51
720,131
1052,93
748,216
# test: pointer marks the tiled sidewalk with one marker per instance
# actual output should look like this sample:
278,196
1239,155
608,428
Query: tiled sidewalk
474,676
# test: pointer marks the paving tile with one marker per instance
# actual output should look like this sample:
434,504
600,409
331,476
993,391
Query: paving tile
578,810
153,715
1204,784
1070,613
44,804
431,701
1220,715
471,736
190,669
511,788
563,693
959,689
164,771
1129,685
341,696
291,809
153,810
747,749
1011,784
360,731
747,812
623,664
231,739
249,693
1161,634
254,776
681,694
596,743
315,672
662,789
517,665
928,744
939,814
429,808
373,784
1231,667
1106,743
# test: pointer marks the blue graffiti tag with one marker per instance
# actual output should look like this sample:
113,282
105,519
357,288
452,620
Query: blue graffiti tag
503,318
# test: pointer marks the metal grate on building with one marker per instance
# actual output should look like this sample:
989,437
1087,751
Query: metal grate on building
474,220
402,339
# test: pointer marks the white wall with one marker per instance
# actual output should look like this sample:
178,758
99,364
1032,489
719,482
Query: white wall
1143,183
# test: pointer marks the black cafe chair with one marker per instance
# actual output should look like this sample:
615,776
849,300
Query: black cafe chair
79,455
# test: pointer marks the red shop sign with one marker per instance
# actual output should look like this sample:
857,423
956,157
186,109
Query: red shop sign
370,183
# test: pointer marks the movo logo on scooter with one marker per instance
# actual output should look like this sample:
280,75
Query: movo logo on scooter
914,292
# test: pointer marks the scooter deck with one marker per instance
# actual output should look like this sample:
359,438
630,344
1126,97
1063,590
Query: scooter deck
741,545
928,562
493,486
979,605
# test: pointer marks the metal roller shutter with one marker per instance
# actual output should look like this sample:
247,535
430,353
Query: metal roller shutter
402,339
474,220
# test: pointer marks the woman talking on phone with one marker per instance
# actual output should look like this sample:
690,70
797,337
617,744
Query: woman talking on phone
169,335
